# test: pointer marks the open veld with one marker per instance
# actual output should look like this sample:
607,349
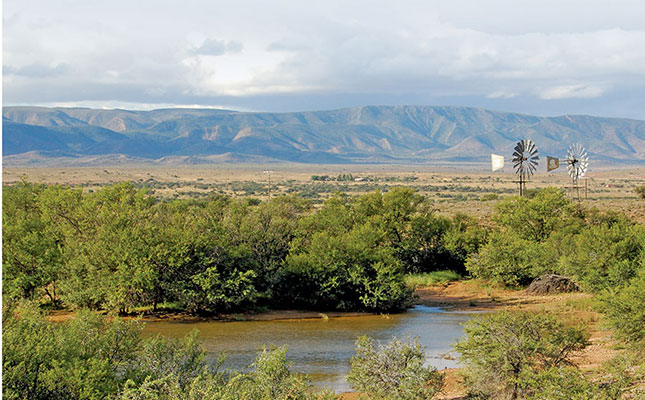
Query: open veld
452,190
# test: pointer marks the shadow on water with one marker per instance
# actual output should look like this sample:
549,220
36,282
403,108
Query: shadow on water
322,347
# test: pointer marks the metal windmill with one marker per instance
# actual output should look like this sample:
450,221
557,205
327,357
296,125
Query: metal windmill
525,161
577,163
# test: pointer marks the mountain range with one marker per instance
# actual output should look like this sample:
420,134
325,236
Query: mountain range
369,134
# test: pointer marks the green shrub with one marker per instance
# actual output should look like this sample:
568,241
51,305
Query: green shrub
81,359
570,383
640,190
351,271
624,309
489,197
269,378
393,371
605,256
505,259
499,349
536,218
430,278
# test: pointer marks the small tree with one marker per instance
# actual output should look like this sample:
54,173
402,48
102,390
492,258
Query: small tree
640,190
393,371
625,310
501,348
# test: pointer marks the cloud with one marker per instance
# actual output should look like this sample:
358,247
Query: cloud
571,92
289,55
36,70
215,47
501,94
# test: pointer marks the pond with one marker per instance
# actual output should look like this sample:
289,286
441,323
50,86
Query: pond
321,347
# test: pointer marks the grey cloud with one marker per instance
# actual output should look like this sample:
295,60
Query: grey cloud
215,47
36,70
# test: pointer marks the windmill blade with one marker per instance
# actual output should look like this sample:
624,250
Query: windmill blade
519,147
530,146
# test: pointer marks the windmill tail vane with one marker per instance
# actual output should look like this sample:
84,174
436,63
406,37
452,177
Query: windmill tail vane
552,163
497,162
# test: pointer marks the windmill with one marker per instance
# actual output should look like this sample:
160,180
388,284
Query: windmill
525,161
577,163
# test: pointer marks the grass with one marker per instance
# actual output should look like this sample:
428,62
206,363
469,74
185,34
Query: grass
473,193
431,278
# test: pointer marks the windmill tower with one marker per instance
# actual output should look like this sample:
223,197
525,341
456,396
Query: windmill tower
577,163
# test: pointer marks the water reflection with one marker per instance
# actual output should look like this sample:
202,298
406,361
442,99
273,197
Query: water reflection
322,347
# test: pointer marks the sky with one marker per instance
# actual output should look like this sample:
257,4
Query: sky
535,57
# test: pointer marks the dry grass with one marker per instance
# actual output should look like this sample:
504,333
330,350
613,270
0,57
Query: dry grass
470,192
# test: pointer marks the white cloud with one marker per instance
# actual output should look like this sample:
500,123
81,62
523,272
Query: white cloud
408,51
501,94
571,92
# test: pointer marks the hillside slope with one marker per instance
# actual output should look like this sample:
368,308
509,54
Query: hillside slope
414,134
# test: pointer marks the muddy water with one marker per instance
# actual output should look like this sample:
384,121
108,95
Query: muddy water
322,347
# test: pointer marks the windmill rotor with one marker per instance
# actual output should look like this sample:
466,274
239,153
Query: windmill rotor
577,161
525,161
525,158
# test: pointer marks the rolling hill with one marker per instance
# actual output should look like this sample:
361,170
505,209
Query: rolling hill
370,134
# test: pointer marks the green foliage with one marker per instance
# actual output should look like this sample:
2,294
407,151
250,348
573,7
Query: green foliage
93,357
625,310
605,255
570,384
499,349
392,371
617,379
269,378
550,234
464,238
505,259
431,278
31,256
82,359
536,218
118,248
350,271
640,190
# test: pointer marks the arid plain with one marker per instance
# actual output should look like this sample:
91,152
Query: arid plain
472,191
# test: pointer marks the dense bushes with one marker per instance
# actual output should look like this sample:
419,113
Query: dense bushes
93,357
550,234
118,248
625,310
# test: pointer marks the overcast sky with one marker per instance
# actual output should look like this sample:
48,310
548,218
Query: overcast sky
537,57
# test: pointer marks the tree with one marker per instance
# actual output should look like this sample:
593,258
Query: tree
80,359
346,272
505,259
32,257
605,256
393,371
536,218
624,308
500,348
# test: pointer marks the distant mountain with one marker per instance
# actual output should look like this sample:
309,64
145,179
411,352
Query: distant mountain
373,134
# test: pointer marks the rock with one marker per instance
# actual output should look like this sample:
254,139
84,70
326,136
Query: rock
550,284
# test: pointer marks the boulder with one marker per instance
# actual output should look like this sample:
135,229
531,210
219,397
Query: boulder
550,284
